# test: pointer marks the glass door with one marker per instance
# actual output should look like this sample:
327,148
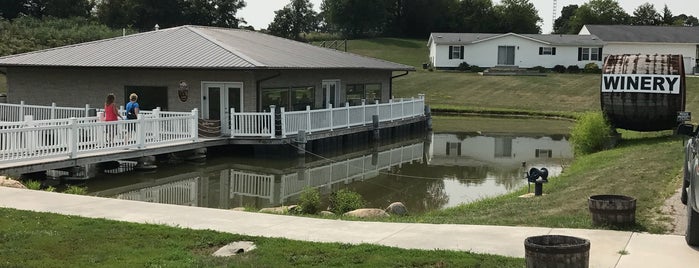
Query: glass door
506,55
331,93
217,101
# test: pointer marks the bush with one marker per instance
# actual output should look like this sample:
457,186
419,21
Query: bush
33,185
345,200
464,67
76,190
540,69
476,69
559,69
592,133
592,68
310,200
573,69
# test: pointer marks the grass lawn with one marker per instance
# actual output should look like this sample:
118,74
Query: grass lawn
411,52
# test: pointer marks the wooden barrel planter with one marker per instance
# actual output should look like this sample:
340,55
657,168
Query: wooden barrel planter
643,92
618,210
557,251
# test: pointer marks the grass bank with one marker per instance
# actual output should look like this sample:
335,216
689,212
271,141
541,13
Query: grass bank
31,239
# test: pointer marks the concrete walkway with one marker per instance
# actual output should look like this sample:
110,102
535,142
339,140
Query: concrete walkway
643,250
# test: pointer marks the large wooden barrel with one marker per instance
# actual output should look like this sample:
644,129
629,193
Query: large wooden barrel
643,92
617,210
556,251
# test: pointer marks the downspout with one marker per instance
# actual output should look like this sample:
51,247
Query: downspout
390,84
257,85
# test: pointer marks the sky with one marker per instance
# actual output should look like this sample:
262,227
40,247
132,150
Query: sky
259,13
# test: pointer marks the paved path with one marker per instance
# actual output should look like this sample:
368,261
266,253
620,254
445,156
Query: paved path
644,250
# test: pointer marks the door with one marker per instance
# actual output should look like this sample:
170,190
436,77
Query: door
217,101
506,55
331,93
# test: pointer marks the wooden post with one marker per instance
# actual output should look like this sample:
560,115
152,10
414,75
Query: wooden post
347,107
301,141
363,112
194,125
283,118
87,110
73,137
53,111
331,116
273,123
233,119
140,133
21,111
375,127
308,116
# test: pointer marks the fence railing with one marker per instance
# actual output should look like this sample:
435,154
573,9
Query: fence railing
38,139
263,124
17,112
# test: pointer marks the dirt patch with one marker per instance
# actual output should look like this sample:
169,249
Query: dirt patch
674,208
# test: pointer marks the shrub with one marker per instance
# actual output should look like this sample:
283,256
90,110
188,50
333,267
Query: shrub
559,69
50,189
345,200
573,69
592,133
540,69
592,68
309,200
476,69
33,185
464,67
76,190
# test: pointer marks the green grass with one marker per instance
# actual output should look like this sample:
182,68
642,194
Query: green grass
487,124
411,52
31,239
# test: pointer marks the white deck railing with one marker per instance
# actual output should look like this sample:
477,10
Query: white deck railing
263,124
39,139
17,112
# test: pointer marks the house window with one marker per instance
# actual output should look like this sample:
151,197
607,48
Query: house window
543,153
589,54
547,51
291,98
369,92
454,148
455,52
149,97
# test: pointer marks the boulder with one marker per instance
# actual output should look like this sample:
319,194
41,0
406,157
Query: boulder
280,210
7,182
238,209
326,213
367,213
397,208
235,248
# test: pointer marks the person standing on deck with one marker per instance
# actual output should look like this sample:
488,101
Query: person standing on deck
111,114
132,109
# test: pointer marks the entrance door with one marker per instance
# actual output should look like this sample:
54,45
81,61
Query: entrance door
331,93
506,55
217,101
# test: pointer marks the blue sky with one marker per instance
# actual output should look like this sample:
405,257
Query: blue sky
259,13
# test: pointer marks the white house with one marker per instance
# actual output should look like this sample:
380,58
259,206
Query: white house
627,39
591,44
448,50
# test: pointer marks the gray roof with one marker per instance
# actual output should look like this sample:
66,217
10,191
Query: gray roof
201,48
650,34
550,39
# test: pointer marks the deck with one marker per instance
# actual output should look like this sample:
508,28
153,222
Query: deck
37,138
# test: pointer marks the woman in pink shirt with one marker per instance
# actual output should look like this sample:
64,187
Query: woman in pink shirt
111,114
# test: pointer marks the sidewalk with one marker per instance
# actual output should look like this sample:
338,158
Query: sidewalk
644,250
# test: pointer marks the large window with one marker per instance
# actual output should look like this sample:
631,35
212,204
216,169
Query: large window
291,98
547,51
369,92
589,53
455,52
149,97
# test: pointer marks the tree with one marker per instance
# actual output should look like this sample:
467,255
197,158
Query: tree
645,14
667,17
355,18
562,23
517,16
607,12
475,16
684,20
10,9
295,18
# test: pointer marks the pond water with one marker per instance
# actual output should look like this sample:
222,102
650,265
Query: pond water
437,171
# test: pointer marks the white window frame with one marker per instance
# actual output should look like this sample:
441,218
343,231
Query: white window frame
456,52
547,51
591,54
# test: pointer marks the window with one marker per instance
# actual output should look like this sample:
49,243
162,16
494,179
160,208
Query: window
454,148
543,153
591,54
456,52
149,97
291,98
368,92
503,147
547,51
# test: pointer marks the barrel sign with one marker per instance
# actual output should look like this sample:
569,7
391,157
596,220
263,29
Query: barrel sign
643,92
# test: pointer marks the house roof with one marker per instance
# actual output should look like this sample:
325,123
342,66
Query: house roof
642,33
201,48
549,39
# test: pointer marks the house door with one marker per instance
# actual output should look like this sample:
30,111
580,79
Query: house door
331,93
217,101
506,55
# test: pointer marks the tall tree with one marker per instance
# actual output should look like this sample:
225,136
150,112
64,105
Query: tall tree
11,9
517,16
607,12
475,16
295,18
421,17
667,17
562,23
355,18
684,20
645,14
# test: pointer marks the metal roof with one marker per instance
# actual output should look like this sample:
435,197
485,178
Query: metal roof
550,39
649,34
199,47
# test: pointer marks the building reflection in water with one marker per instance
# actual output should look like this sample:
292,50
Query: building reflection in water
441,170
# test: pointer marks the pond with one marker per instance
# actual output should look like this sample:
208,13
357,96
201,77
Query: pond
440,170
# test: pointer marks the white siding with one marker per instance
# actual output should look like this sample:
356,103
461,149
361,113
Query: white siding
433,54
688,51
485,54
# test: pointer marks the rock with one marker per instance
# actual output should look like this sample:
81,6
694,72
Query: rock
367,213
235,248
326,213
397,208
238,209
7,182
280,210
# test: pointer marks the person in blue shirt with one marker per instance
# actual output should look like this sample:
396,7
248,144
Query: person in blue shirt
132,107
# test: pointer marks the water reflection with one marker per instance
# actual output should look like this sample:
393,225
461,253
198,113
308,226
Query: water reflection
438,171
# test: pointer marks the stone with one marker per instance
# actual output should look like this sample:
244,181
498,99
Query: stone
238,209
397,208
326,213
367,213
280,210
7,182
234,248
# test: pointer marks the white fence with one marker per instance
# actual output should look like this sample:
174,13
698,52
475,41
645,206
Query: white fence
17,112
263,124
39,139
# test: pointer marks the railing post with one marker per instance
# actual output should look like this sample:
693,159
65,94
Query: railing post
87,110
331,116
73,137
121,111
283,118
378,110
402,108
21,111
390,106
272,122
31,138
308,116
140,133
363,112
347,107
233,119
412,106
194,125
158,122
53,110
